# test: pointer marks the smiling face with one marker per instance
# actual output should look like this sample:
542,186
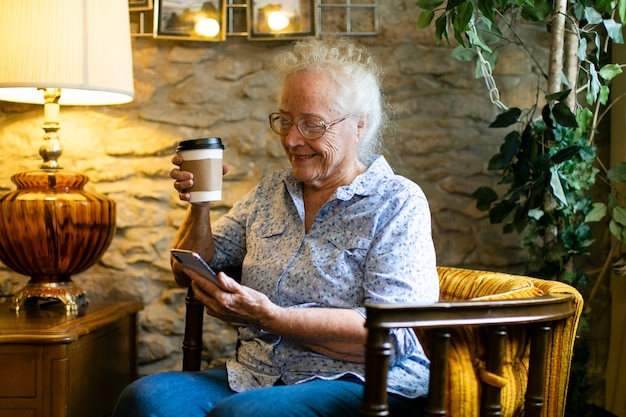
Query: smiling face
330,161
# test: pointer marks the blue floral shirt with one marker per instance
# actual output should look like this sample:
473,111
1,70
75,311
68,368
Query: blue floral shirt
371,242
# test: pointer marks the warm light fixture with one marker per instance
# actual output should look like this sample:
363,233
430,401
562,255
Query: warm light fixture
208,27
277,20
61,52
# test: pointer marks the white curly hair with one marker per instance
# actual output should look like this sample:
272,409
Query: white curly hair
357,76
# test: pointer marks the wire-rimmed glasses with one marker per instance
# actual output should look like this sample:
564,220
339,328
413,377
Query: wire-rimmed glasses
311,128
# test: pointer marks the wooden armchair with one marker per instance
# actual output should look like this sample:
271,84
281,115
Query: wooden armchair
499,344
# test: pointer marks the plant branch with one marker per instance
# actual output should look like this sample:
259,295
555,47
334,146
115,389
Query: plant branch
604,270
571,64
604,113
592,132
555,67
520,42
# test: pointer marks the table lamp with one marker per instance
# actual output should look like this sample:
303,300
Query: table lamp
59,52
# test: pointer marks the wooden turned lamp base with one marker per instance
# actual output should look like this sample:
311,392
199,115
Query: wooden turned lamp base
51,229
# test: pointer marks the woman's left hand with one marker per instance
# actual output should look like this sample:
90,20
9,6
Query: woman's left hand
233,302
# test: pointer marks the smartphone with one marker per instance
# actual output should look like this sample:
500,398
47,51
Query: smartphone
192,260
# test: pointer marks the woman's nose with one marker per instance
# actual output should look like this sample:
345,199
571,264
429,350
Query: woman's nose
293,136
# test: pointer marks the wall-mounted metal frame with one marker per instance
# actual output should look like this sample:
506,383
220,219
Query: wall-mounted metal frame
139,5
352,17
142,23
237,18
287,19
149,18
188,19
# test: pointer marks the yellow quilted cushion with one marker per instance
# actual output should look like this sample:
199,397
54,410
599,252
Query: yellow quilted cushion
463,284
467,353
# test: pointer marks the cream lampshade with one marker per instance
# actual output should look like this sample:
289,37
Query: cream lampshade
59,52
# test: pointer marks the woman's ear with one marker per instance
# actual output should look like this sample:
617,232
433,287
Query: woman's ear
361,125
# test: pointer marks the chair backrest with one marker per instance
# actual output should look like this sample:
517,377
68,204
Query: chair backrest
499,345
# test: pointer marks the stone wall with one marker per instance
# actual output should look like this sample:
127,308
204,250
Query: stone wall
194,89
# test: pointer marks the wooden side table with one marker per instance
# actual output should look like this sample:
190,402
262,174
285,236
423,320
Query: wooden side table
57,365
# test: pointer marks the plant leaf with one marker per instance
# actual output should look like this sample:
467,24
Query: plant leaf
538,11
464,54
578,10
584,118
429,4
609,71
496,163
564,116
565,154
465,10
593,85
621,7
536,214
616,230
453,3
603,97
597,213
602,4
425,18
500,3
592,16
484,196
486,7
614,30
556,186
475,40
507,118
559,95
441,28
510,146
619,215
501,211
582,49
617,173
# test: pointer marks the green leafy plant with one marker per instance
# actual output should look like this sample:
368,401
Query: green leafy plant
549,169
547,160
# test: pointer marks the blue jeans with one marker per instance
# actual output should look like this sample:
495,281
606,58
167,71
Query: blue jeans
206,394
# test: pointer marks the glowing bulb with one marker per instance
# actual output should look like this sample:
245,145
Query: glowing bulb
208,27
277,20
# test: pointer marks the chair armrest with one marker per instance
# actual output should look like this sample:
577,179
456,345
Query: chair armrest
466,313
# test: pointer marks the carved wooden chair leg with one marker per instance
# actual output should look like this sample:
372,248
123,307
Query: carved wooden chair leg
491,404
378,348
440,345
192,341
533,404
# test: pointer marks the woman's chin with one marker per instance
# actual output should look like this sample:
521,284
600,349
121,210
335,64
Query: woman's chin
303,175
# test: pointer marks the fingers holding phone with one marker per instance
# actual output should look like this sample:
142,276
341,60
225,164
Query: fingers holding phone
193,261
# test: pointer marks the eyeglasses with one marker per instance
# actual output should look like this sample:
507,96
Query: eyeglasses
310,128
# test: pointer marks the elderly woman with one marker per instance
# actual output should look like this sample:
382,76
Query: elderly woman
317,241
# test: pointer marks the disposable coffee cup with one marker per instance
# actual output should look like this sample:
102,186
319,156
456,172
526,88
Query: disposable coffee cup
203,158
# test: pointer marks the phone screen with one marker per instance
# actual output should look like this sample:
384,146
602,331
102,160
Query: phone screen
194,261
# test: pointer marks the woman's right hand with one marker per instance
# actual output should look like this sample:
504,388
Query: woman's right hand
183,180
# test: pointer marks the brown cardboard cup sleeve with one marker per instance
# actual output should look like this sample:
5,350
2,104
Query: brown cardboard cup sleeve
207,179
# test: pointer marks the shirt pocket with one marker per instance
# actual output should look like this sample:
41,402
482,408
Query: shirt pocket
347,255
269,229
266,256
